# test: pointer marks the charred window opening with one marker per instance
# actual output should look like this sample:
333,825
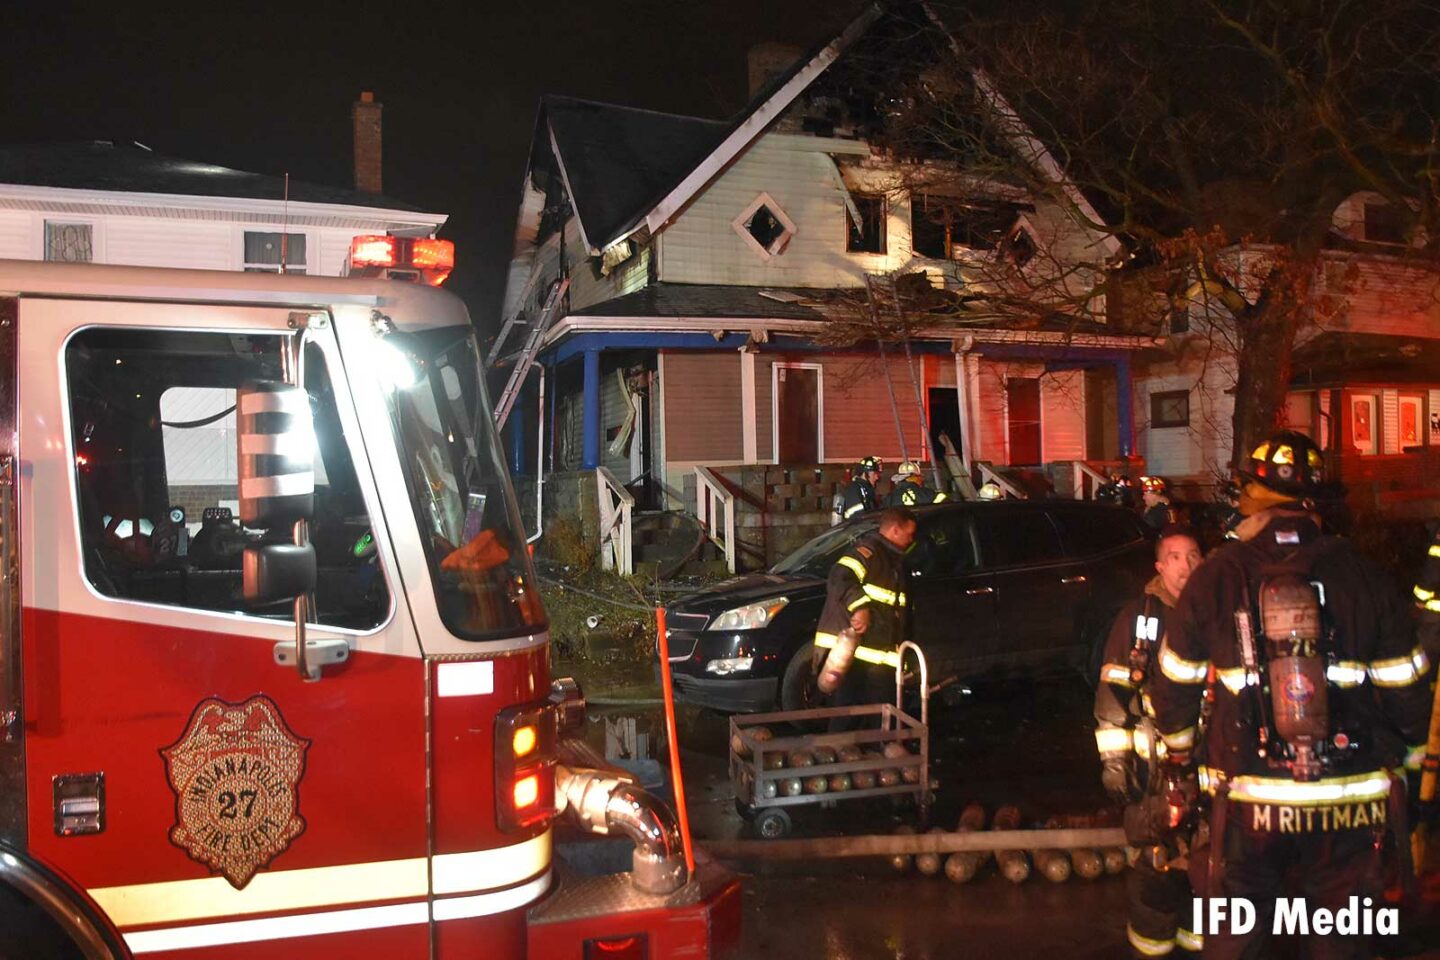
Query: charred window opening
867,235
765,227
1019,247
943,228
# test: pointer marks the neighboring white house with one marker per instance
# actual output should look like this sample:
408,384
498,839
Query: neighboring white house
121,203
1365,375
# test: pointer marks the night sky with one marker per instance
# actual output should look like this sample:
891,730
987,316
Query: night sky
269,89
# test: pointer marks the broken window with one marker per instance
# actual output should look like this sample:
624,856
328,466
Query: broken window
943,228
1020,247
764,226
867,235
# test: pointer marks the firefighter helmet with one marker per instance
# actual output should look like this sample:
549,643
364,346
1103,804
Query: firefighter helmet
868,465
905,471
1287,463
990,490
1154,485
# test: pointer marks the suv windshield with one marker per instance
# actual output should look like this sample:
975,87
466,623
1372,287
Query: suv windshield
819,555
463,504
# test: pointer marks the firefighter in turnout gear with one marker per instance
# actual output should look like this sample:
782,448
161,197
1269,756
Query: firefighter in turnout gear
1427,596
910,489
865,595
1159,512
859,495
1319,691
1158,893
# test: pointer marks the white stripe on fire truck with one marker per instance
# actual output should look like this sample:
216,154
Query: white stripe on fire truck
143,904
334,921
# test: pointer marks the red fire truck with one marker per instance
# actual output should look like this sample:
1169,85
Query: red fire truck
274,674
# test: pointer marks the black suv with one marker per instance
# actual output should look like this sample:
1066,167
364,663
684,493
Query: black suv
1009,588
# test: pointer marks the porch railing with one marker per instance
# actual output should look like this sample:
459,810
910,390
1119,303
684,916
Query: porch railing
988,474
616,530
1080,471
715,508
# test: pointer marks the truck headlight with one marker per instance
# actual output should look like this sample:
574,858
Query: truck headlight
729,665
752,616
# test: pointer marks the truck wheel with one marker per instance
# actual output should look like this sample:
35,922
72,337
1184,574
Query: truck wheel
30,934
772,824
797,687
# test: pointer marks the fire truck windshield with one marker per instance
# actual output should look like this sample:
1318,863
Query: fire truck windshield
484,584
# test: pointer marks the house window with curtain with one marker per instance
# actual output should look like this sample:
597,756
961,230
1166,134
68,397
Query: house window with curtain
69,242
1170,408
1411,422
263,252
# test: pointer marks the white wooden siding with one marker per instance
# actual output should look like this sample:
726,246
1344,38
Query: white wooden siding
18,236
1390,421
1202,449
183,242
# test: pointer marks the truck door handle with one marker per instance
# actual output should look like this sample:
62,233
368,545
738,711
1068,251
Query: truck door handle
979,591
1079,578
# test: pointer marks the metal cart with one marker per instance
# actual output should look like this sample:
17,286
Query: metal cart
891,725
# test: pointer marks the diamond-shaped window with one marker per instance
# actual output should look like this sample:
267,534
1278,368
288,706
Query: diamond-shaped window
765,226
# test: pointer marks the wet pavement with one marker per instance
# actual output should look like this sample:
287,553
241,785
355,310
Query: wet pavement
1027,744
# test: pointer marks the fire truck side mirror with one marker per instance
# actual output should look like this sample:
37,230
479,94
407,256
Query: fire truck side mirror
275,455
277,571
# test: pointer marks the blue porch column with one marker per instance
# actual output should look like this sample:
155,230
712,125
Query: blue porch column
517,436
592,410
1125,400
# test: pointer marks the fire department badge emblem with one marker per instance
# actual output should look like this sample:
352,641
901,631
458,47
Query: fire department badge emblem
236,775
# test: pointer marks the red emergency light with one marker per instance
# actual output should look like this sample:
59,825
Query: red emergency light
402,258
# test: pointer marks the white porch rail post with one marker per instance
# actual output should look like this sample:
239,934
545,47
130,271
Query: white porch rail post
715,509
988,475
1079,471
616,508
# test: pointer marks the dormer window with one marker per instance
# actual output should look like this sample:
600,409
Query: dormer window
764,226
1384,223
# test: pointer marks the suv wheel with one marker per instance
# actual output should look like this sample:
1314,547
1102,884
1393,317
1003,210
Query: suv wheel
797,687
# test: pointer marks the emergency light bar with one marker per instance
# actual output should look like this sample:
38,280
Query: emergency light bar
402,258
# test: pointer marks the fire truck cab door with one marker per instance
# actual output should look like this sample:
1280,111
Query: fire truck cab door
199,793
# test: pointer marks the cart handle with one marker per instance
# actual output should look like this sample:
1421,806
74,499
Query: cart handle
924,680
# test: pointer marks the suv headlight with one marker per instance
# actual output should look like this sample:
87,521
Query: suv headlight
752,616
728,666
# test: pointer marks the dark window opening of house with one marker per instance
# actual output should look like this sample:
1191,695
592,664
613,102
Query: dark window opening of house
1180,321
941,226
1384,223
263,252
1170,408
1020,248
765,227
867,235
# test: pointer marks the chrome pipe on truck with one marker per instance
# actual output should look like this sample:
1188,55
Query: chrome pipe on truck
604,804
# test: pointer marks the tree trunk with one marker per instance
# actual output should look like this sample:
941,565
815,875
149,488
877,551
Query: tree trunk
1263,366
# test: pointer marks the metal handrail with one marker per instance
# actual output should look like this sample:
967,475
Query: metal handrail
616,528
715,509
988,474
1079,470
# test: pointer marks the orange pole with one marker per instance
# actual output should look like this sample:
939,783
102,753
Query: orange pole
671,735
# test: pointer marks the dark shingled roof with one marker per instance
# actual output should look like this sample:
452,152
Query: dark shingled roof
131,168
1336,358
710,300
621,161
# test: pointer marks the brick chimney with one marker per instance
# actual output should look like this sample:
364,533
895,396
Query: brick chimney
365,113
